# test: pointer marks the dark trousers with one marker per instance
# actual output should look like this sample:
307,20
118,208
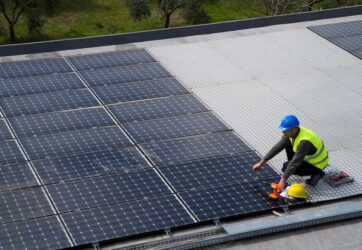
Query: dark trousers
303,170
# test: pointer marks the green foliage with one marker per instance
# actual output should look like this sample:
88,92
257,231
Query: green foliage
195,13
139,9
78,18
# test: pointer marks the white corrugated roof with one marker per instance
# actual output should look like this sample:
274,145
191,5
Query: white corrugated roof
252,79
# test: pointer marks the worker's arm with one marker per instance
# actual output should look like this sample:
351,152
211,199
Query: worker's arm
304,148
276,149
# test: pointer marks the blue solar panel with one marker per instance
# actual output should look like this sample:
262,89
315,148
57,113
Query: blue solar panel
42,233
346,35
194,147
10,152
216,171
33,104
157,108
74,142
39,84
15,176
125,92
134,73
48,123
335,30
114,59
5,133
120,220
33,68
176,126
226,200
351,43
23,204
53,170
106,190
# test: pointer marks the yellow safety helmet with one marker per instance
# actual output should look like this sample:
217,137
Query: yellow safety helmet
297,190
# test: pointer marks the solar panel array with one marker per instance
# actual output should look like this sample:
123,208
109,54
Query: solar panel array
347,35
110,145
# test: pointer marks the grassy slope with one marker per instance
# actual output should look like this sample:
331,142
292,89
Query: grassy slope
78,18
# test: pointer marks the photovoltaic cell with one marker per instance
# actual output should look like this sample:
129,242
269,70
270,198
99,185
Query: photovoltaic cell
335,30
75,142
125,92
33,68
10,152
34,104
53,170
227,200
56,122
23,204
15,176
114,59
107,190
176,126
216,171
157,108
4,131
39,84
39,234
195,147
120,220
133,73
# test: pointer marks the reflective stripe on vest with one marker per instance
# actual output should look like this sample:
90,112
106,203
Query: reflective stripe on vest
321,158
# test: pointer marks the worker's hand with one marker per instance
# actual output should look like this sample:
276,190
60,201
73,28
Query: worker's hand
258,165
281,184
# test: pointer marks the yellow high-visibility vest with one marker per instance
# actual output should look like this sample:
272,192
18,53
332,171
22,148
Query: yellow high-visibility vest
321,158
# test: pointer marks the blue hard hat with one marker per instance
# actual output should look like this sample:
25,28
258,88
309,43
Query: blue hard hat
288,122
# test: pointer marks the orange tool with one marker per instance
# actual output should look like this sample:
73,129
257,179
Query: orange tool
275,193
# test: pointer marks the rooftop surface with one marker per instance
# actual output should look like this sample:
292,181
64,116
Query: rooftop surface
250,79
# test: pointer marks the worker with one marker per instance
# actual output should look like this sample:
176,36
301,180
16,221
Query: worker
307,155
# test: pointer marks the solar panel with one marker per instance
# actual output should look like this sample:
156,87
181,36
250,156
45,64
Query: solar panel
157,108
194,147
5,133
114,59
39,84
106,190
346,35
133,73
53,170
10,152
48,123
225,201
33,68
176,126
15,176
335,30
41,233
216,171
120,220
23,204
350,43
125,92
41,103
75,142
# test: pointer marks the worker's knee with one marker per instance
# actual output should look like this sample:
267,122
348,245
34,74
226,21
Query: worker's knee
285,164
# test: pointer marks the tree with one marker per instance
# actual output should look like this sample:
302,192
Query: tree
278,7
139,9
12,10
193,9
33,11
195,12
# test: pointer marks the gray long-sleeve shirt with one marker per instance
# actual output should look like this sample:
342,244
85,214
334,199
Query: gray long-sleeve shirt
304,148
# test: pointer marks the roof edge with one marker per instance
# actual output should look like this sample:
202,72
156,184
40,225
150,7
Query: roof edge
124,38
